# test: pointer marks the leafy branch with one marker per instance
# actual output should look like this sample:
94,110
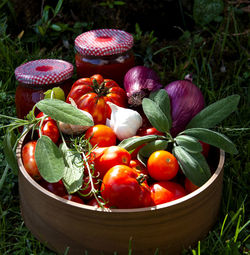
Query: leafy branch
57,160
185,146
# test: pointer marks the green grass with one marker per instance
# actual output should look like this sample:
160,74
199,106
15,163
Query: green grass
218,57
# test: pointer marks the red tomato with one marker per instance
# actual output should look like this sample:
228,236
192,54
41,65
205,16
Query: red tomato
135,151
162,165
85,191
96,153
29,162
73,198
166,191
113,155
93,202
92,94
56,188
148,131
189,186
138,166
49,128
123,187
205,148
101,135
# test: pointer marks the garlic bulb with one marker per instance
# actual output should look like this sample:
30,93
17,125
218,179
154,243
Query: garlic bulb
71,129
124,122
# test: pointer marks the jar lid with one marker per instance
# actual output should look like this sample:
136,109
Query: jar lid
44,71
103,42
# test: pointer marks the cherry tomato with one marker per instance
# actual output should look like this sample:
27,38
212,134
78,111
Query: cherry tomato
92,94
205,148
138,166
123,187
148,131
166,191
189,186
93,202
73,198
85,191
56,188
135,151
142,131
101,135
162,165
49,128
113,155
29,162
96,153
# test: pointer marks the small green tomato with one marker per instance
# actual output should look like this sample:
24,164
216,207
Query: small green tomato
56,93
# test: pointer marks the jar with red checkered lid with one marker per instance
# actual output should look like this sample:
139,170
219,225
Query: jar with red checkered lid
104,51
36,77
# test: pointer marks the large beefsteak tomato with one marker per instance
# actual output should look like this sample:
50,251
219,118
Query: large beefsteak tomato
92,94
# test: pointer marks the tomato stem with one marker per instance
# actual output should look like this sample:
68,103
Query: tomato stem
141,178
169,137
93,190
100,90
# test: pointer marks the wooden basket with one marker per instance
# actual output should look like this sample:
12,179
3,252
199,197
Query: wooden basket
169,228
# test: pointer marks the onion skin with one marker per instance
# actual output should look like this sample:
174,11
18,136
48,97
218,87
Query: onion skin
186,101
139,81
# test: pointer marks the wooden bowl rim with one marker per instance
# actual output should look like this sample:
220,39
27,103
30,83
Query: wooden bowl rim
108,210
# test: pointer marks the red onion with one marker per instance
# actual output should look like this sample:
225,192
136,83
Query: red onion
186,101
139,81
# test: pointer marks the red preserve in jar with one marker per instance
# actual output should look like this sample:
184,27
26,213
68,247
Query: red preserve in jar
36,77
104,51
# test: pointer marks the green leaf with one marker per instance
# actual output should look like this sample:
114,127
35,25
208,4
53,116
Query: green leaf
153,146
203,163
58,7
161,98
45,16
49,159
41,30
155,115
119,2
10,155
61,111
56,27
73,171
213,138
206,11
215,113
192,165
133,142
189,143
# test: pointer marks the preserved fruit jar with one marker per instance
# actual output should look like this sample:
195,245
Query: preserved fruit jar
36,77
104,51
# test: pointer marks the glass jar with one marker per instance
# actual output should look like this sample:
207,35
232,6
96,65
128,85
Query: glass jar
36,77
104,51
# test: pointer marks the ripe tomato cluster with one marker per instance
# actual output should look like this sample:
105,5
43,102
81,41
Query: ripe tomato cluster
118,179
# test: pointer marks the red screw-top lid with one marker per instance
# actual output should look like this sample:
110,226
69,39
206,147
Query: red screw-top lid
103,42
44,71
